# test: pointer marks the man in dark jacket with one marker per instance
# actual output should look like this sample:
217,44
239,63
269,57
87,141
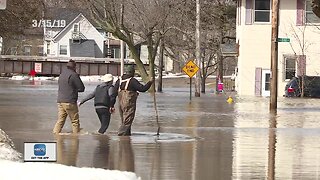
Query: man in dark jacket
128,88
69,85
104,99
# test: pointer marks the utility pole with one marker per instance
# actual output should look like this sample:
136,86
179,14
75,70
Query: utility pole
108,34
121,43
198,53
274,56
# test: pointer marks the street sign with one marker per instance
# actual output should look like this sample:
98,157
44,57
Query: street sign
283,40
3,4
190,68
38,67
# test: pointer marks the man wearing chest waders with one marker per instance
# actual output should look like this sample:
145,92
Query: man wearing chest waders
128,88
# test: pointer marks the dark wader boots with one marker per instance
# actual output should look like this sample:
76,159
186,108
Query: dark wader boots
127,109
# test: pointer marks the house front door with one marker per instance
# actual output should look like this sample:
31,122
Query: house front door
265,83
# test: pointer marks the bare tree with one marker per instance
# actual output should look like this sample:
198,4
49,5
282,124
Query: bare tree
300,50
135,22
18,16
217,25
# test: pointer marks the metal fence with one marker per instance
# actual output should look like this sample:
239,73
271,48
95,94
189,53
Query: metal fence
52,66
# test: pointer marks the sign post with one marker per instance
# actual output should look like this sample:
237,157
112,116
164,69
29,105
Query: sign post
3,4
190,69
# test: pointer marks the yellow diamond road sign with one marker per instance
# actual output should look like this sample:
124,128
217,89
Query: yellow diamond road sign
190,68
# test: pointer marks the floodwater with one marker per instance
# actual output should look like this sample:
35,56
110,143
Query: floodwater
205,139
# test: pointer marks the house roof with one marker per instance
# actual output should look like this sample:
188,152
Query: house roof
67,14
69,24
33,31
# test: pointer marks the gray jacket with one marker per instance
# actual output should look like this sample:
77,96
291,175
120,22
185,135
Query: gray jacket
69,85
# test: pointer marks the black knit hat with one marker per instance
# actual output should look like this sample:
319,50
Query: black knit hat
128,69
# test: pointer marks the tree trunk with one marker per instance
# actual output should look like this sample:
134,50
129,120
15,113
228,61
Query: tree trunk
203,78
203,84
302,86
134,53
152,51
140,66
160,66
198,50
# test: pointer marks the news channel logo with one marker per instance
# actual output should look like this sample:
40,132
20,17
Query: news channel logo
40,151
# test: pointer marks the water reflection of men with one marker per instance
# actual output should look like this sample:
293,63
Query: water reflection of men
67,150
101,158
114,155
128,88
125,158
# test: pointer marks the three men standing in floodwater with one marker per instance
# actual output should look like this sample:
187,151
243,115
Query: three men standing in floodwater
126,88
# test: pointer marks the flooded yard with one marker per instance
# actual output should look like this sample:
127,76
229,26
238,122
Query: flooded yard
204,139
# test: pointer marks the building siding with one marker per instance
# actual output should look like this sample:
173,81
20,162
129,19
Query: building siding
255,47
88,31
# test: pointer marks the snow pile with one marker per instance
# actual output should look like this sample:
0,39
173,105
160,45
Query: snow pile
12,168
37,78
20,77
7,149
93,78
52,171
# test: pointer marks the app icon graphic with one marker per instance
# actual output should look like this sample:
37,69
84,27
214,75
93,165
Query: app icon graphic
39,149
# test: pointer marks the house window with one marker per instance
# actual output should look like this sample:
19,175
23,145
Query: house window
113,51
13,50
290,66
48,47
116,53
76,27
27,50
40,50
238,13
262,10
267,81
310,16
63,50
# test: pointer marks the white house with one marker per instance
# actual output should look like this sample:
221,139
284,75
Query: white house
79,38
300,56
68,33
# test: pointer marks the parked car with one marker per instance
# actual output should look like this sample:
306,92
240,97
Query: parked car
311,87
